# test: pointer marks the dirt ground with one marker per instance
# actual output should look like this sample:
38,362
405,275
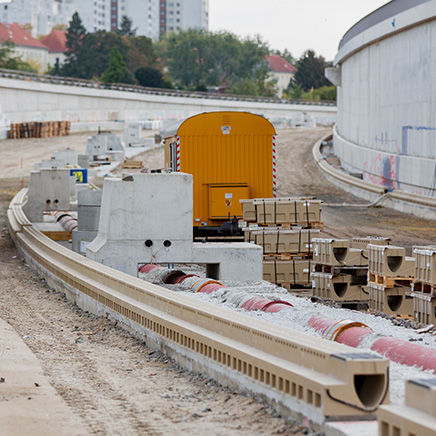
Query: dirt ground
111,382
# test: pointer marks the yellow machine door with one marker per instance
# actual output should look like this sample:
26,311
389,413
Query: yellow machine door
224,200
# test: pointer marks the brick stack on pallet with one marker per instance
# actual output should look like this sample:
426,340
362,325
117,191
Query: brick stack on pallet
424,285
390,276
40,129
284,228
340,271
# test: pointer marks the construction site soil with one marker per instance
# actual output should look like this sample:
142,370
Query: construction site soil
110,381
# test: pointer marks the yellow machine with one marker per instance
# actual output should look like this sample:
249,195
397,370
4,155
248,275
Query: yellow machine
231,156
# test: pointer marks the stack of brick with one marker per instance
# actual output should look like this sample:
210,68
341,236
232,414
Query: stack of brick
424,285
390,276
284,227
40,129
339,271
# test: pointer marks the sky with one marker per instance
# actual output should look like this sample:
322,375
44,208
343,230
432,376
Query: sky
297,25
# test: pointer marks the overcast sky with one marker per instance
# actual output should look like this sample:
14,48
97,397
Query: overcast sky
297,25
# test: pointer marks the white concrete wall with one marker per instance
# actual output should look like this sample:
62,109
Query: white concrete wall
387,101
88,107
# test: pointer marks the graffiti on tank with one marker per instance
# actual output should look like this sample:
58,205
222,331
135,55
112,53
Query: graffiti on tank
381,171
74,118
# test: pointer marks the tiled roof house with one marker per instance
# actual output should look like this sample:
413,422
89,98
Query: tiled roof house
29,48
282,70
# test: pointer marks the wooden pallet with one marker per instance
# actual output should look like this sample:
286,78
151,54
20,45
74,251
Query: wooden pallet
132,164
288,256
298,289
425,288
390,282
336,270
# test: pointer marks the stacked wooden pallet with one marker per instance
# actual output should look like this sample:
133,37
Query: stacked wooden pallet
40,129
340,270
424,285
390,276
284,228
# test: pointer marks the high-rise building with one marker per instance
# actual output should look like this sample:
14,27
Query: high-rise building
95,14
153,17
149,17
37,16
144,15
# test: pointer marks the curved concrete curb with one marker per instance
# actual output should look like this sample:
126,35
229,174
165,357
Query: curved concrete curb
415,204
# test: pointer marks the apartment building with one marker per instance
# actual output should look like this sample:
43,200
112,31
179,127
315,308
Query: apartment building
37,16
95,14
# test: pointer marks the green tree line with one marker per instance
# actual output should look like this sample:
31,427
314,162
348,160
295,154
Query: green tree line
190,59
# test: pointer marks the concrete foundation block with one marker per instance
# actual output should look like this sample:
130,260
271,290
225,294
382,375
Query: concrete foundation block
81,239
68,155
49,190
237,261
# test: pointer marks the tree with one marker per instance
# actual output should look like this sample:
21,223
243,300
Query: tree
76,35
196,57
141,53
116,69
310,71
125,28
149,76
56,70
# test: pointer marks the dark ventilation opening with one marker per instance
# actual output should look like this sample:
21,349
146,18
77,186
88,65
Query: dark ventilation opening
340,253
370,388
395,302
394,262
340,289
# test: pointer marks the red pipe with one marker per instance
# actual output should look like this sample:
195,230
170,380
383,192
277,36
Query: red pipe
261,303
148,267
211,287
181,279
397,350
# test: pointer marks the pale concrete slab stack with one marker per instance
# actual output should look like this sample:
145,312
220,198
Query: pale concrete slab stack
284,228
390,276
340,270
424,285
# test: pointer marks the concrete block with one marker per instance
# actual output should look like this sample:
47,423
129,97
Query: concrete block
81,239
88,210
49,190
83,161
68,155
416,417
285,241
425,264
132,134
49,164
144,218
103,144
336,252
390,261
237,261
298,211
392,301
424,308
287,271
336,288
362,242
